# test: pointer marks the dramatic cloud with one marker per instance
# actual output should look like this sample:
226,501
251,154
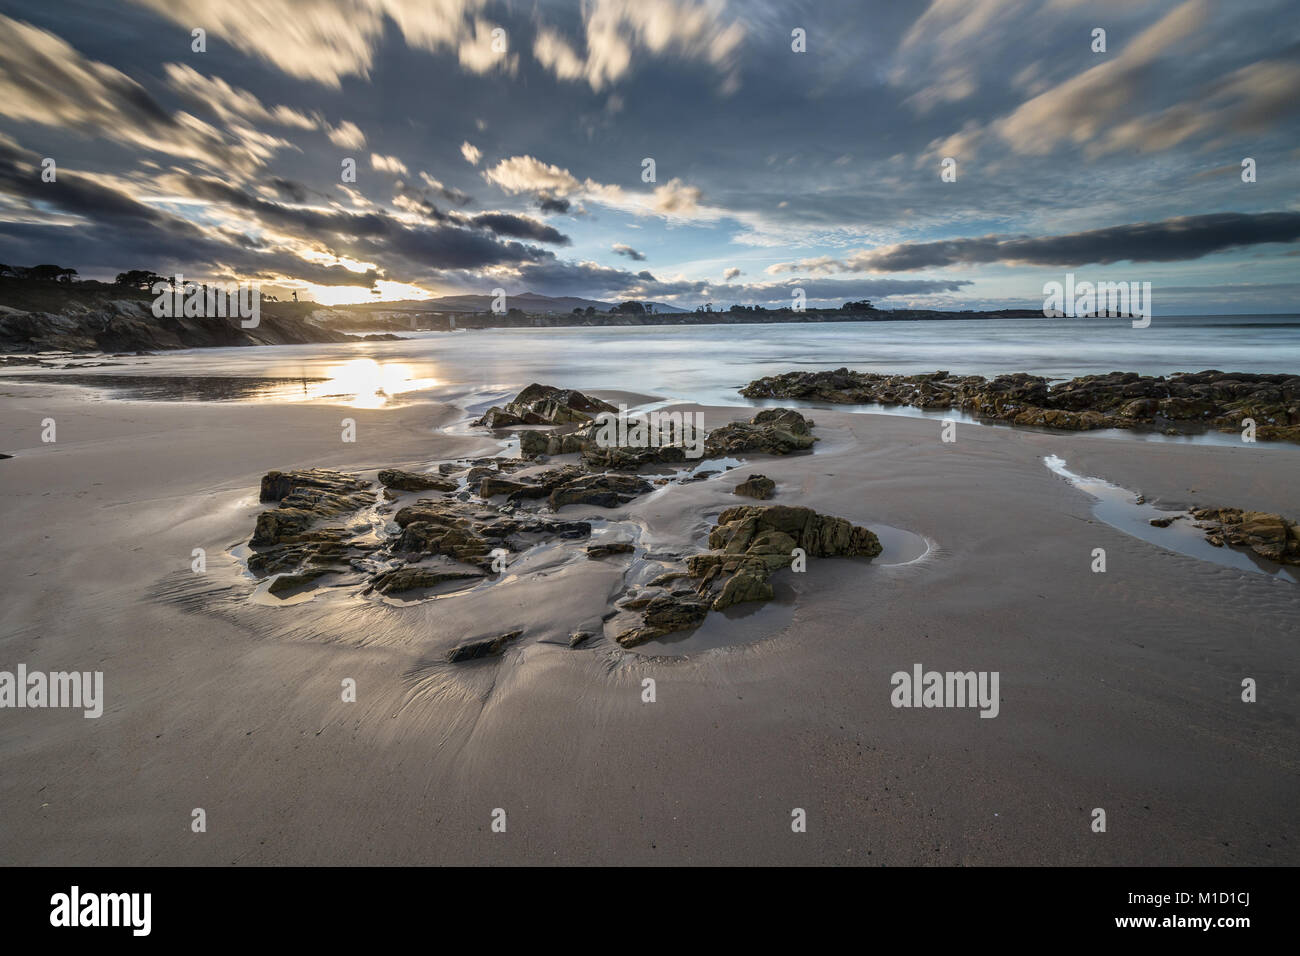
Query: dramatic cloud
617,30
327,40
501,144
230,104
519,227
44,80
1186,237
546,182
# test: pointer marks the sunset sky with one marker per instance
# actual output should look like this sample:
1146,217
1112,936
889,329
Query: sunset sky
502,145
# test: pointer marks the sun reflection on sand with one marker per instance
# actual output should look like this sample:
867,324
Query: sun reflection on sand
367,383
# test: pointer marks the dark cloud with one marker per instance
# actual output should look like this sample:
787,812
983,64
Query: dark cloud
290,189
520,227
549,204
1171,240
621,249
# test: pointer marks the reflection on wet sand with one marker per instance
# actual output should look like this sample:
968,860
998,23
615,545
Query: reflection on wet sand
367,383
358,383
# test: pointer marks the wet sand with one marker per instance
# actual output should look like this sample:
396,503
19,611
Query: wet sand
1118,690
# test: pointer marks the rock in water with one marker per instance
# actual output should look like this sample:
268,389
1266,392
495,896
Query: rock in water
1268,535
756,486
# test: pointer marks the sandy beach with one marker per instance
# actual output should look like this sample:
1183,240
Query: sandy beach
1119,690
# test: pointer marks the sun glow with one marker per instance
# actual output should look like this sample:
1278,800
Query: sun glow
329,295
367,383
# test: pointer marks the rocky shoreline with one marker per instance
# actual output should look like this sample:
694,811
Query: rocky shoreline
129,325
336,528
1176,404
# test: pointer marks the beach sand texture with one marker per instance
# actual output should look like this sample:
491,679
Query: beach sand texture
1119,690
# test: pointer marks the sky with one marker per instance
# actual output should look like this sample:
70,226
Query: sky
946,154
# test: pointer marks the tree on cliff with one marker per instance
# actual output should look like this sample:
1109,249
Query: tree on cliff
50,273
141,279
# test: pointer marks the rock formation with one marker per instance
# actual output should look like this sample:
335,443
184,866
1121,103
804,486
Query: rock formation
1269,535
747,545
1209,399
756,486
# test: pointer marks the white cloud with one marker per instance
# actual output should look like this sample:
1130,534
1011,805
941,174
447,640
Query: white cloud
326,40
471,153
618,30
45,80
347,135
388,164
526,174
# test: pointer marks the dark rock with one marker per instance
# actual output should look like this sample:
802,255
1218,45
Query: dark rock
608,548
773,431
1269,535
278,485
414,481
286,583
306,497
1209,399
545,405
604,491
413,577
487,647
749,544
756,486
491,486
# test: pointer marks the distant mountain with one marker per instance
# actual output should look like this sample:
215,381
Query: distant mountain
531,302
